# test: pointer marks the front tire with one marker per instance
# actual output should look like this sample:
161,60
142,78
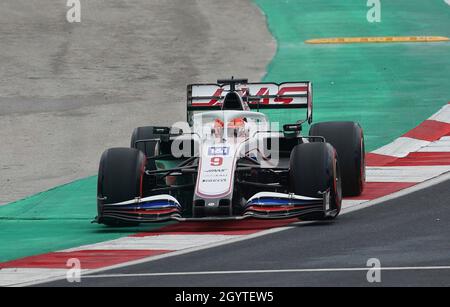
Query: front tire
120,178
313,169
149,148
348,140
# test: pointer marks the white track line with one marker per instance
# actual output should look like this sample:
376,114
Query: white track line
401,147
443,115
11,276
346,203
158,242
404,173
441,145
418,268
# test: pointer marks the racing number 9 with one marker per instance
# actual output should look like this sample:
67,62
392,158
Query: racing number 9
216,161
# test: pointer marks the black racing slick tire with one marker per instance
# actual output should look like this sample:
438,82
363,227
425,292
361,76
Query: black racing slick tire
149,148
314,169
120,178
348,140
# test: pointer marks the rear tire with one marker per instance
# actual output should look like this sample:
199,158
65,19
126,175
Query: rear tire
348,140
120,178
313,169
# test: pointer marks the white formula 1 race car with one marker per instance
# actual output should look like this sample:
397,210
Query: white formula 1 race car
229,162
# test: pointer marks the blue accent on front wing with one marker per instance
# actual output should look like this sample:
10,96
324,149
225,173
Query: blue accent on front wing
155,204
268,201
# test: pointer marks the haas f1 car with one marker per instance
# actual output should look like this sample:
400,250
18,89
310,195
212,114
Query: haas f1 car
229,163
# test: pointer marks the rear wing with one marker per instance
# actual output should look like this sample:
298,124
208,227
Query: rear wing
258,96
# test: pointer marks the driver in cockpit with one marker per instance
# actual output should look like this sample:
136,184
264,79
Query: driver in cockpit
235,127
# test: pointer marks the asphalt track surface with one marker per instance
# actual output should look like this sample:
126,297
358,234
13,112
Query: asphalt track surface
408,232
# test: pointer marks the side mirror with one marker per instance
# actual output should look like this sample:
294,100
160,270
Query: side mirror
161,130
292,127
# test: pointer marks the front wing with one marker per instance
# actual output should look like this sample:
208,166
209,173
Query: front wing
263,205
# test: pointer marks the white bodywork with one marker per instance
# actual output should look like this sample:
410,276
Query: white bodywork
223,143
